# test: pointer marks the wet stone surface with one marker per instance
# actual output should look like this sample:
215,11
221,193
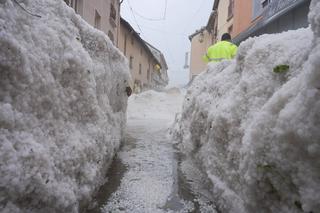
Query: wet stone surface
113,179
150,175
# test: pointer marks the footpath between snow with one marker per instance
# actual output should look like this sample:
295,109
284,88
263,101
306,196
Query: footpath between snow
148,173
148,156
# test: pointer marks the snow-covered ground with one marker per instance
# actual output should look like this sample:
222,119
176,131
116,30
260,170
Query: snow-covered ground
147,183
255,131
151,181
62,107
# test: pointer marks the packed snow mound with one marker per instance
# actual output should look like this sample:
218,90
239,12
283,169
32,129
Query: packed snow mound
173,90
166,104
62,107
256,132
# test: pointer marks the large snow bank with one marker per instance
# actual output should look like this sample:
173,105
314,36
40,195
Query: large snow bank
154,105
62,107
256,132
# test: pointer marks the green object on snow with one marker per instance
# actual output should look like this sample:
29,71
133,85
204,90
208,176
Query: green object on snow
266,167
281,68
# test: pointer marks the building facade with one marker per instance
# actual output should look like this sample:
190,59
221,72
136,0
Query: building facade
270,16
160,79
147,64
244,19
102,14
219,22
145,67
200,41
225,16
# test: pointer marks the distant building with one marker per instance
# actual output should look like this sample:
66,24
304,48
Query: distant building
200,41
147,64
160,79
102,14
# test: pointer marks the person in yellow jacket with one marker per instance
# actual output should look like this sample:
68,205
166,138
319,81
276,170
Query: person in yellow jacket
221,50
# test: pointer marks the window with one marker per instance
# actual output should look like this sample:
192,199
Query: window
141,51
131,62
110,34
215,33
148,74
97,20
75,4
140,69
264,3
257,9
113,16
113,13
230,9
201,37
125,44
132,40
137,86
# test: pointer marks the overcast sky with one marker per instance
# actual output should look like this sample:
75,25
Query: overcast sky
166,24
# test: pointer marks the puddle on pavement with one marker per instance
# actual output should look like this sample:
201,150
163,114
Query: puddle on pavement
114,176
188,189
175,201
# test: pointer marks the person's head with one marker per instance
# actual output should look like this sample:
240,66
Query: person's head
226,37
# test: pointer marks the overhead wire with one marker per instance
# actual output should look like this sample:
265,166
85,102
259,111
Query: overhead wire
133,12
148,19
134,17
165,9
153,19
192,17
163,31
165,40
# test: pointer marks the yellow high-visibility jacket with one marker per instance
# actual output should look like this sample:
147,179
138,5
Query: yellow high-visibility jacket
219,51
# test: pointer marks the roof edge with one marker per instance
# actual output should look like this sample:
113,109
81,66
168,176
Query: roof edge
122,20
197,32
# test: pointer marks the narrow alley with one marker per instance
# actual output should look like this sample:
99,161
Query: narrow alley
148,174
120,106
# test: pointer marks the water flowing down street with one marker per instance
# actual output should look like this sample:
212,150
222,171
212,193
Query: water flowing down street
148,174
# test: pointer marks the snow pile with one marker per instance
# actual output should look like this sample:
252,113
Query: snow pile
156,105
256,132
62,107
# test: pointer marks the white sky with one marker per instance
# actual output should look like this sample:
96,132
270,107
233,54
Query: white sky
178,20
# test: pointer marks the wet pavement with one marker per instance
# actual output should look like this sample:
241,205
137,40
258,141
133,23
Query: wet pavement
149,174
